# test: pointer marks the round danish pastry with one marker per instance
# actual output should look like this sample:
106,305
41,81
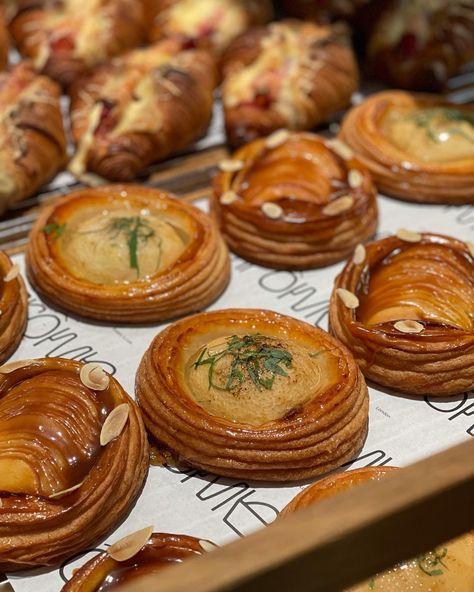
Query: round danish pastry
73,457
137,555
253,394
404,306
294,201
417,147
13,306
127,254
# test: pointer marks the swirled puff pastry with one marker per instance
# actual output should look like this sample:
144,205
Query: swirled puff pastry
13,307
73,457
294,201
448,568
211,24
417,147
127,254
133,558
405,308
140,108
289,74
32,139
253,394
64,38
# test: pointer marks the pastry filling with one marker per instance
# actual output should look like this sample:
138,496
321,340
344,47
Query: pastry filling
431,283
256,379
437,135
50,428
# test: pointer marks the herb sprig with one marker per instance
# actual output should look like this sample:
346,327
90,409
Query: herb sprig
257,357
430,562
136,231
54,229
425,118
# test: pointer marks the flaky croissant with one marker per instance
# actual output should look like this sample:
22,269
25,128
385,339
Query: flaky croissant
290,74
13,306
140,108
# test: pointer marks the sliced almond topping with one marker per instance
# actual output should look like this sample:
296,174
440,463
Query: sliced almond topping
130,545
12,273
93,376
277,138
207,546
408,326
231,166
355,178
349,299
408,235
12,366
114,424
339,205
359,255
228,197
66,491
341,149
272,210
470,246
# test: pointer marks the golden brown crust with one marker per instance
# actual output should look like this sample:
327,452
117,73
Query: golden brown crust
417,147
296,205
14,307
4,39
82,255
427,283
161,551
140,108
289,74
33,142
64,39
38,530
308,419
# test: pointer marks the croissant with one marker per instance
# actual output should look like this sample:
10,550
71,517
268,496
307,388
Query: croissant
417,147
65,38
33,142
209,24
139,109
73,457
293,201
447,568
13,306
404,306
252,394
135,556
289,74
127,254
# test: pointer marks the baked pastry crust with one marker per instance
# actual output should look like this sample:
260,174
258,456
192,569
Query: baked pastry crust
140,108
4,39
417,147
290,74
14,307
253,394
127,254
412,328
55,447
65,38
161,551
292,201
33,142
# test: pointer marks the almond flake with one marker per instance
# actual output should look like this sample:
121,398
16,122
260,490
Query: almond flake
207,546
339,205
130,545
349,299
277,138
359,255
93,376
228,197
341,149
408,326
272,210
408,235
470,246
66,491
114,424
355,178
12,273
231,166
12,366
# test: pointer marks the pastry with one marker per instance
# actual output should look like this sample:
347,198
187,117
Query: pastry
322,11
404,306
211,24
4,39
289,74
32,140
253,394
73,457
140,108
126,254
448,568
137,555
294,201
417,147
64,38
13,307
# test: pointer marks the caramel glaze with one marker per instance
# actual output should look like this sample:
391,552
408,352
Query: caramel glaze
313,436
102,573
13,309
301,176
435,289
51,422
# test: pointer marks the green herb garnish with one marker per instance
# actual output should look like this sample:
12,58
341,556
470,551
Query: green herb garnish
425,118
372,584
257,357
54,229
136,231
430,562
